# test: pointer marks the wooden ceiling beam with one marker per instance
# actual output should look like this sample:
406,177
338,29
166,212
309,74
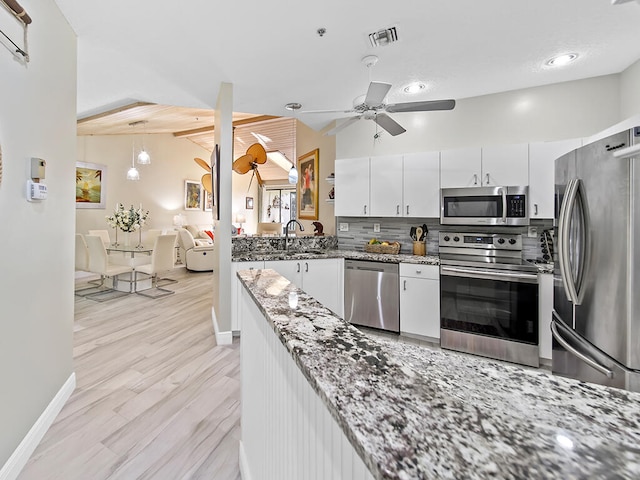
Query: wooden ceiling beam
211,128
114,111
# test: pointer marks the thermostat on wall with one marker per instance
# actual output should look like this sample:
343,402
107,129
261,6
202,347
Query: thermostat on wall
36,191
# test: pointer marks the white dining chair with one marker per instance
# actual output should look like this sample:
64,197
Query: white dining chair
162,260
103,234
99,263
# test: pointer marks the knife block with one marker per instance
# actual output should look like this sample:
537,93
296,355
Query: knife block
419,248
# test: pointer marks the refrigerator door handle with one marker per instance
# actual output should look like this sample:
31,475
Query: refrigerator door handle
574,198
563,241
589,361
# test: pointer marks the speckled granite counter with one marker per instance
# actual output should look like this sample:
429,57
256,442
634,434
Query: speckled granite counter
250,256
415,413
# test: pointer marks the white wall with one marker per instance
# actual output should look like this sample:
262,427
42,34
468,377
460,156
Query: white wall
161,185
243,187
630,91
37,119
553,112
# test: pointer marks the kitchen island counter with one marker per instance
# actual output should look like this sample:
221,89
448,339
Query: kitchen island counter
413,413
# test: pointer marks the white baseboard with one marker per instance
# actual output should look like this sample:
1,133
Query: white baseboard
20,456
222,338
244,465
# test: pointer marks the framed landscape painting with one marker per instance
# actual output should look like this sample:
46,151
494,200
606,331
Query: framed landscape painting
192,195
208,201
307,190
91,185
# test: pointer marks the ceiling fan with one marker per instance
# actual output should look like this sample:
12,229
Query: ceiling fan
256,155
374,108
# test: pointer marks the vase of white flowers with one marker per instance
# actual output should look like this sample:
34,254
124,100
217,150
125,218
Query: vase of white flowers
127,220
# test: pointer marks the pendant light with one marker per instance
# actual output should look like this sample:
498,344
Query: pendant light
143,156
293,172
132,173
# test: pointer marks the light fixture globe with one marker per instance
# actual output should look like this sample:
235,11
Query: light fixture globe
144,158
133,174
293,175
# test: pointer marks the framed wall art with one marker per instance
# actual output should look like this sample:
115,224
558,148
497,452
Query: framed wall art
192,195
208,201
248,203
91,185
307,189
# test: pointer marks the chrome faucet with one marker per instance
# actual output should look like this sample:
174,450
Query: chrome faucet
286,232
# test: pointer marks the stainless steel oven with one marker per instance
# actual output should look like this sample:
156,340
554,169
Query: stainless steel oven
484,206
488,297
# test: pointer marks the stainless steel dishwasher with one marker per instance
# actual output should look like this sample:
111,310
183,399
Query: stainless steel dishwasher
372,294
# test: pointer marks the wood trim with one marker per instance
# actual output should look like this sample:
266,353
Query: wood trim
18,11
222,338
114,111
211,128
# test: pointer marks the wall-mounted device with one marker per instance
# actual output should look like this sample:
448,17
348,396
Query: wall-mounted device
35,189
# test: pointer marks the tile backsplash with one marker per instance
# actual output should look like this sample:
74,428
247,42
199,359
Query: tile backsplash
397,230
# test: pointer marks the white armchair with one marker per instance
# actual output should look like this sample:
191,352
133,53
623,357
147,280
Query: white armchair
198,258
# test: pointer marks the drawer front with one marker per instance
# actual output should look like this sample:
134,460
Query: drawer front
415,270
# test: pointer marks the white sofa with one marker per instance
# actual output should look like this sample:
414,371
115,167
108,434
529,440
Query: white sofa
198,255
198,232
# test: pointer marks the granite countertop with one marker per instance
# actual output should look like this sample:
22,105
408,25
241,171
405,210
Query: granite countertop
353,255
416,413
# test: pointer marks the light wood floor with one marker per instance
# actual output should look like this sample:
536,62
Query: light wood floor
156,398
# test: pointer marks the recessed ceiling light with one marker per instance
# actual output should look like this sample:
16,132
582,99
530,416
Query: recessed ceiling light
414,87
562,60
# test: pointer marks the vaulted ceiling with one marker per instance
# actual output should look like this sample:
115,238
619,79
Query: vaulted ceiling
174,53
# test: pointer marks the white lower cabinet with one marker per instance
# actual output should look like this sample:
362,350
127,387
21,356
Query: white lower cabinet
236,321
321,278
545,310
420,300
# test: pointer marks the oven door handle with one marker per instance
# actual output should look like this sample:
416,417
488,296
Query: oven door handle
489,275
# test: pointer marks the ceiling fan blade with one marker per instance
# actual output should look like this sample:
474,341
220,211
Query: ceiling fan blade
207,183
329,111
203,164
242,164
376,93
343,125
426,106
389,124
258,153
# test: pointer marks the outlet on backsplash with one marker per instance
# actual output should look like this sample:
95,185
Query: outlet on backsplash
532,232
344,227
376,228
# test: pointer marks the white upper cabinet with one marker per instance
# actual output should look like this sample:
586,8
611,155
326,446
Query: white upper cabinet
421,185
385,192
504,165
461,167
542,156
352,187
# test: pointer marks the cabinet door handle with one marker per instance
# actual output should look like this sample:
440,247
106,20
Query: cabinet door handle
407,209
475,178
487,179
404,286
535,208
306,266
397,209
365,209
418,272
298,264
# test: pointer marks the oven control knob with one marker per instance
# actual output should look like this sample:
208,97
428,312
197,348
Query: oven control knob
456,239
512,241
446,238
501,241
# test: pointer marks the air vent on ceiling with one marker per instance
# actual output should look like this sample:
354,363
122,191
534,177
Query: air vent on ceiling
383,37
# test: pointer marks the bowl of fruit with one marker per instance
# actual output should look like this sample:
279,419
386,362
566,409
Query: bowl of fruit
380,246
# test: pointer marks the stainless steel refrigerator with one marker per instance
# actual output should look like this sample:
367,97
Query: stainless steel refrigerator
596,314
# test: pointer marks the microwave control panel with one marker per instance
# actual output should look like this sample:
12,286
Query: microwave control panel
516,206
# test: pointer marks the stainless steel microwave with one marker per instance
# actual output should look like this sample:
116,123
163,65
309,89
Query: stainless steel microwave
484,206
